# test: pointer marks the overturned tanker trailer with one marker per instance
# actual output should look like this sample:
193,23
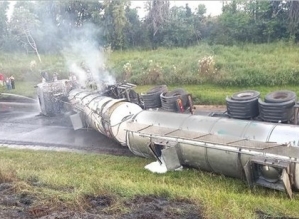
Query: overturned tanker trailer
258,152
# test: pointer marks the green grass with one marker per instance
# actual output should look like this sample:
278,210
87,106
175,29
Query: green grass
25,88
244,65
18,65
67,177
248,65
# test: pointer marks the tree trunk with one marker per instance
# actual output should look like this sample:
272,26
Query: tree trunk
32,43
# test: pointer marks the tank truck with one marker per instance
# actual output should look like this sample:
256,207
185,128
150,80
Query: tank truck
254,140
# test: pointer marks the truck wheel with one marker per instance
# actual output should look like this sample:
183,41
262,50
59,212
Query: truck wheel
245,95
280,96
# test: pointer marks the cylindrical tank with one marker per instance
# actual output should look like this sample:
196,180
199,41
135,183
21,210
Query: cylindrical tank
216,144
105,114
247,129
206,142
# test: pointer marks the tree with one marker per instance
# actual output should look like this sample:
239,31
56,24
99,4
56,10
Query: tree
188,10
134,31
157,17
3,23
251,21
60,20
201,10
48,37
22,23
293,18
179,29
76,12
114,22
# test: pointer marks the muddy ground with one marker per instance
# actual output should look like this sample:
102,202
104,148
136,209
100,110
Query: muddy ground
25,206
15,205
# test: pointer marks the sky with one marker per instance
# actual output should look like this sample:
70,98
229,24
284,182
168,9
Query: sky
213,7
10,9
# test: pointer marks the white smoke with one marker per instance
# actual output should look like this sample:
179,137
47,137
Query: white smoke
86,59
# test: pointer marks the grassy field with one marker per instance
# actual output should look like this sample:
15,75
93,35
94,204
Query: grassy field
275,64
244,65
66,178
25,88
209,73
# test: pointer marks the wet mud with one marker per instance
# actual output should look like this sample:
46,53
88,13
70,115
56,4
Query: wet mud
15,205
26,206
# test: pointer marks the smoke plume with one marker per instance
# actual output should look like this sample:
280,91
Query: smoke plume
85,58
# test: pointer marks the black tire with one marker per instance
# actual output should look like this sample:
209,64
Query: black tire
280,96
276,112
169,99
246,95
176,92
158,89
245,109
151,99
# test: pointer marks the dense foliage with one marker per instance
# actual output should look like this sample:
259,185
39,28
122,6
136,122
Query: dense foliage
43,26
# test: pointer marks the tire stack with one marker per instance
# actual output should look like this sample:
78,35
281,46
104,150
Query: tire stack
169,100
151,99
243,105
278,106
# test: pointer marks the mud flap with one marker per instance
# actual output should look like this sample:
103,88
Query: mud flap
171,158
286,183
248,175
166,152
76,121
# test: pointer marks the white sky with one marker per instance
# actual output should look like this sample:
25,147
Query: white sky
10,9
213,7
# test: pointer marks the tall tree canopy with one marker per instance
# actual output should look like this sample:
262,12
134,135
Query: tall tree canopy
114,22
156,19
23,25
45,26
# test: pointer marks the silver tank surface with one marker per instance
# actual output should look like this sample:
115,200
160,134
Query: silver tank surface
226,146
105,114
